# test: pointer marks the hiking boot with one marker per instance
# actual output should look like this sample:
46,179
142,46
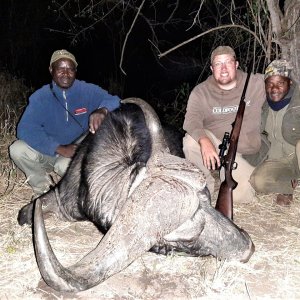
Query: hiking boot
284,199
295,183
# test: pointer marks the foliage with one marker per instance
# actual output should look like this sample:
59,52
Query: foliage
134,35
164,25
173,113
13,95
156,27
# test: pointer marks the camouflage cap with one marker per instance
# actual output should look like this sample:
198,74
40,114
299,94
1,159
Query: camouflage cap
58,54
222,50
280,67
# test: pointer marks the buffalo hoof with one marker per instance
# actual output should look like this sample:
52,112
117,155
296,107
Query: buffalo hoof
26,214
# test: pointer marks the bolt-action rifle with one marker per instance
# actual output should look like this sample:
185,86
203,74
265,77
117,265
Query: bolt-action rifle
224,202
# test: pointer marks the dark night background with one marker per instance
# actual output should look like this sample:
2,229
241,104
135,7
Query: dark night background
30,34
31,30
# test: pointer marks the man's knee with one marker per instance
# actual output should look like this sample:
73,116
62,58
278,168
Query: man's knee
253,180
192,152
61,165
191,148
17,150
244,193
257,182
189,142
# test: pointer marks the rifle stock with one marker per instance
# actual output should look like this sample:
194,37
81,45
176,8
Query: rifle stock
224,202
225,193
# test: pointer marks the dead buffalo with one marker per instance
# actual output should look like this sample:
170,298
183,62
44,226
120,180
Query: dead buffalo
125,181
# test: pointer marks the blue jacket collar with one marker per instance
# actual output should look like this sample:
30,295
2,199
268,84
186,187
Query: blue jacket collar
57,90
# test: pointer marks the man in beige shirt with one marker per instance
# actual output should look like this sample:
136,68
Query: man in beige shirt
211,110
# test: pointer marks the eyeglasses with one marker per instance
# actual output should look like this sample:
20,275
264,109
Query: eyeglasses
227,63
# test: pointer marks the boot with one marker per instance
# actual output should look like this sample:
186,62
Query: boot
284,199
294,183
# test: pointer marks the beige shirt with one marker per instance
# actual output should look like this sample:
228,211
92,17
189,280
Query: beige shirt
279,147
209,107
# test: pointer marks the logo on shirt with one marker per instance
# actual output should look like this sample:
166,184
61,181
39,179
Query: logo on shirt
80,111
227,109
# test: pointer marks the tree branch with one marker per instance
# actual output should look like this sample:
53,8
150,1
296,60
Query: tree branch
209,31
127,35
276,16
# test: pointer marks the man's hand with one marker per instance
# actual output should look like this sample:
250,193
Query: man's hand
66,150
209,154
96,118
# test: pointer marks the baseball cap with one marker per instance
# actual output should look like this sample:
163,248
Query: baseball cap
58,54
222,50
281,67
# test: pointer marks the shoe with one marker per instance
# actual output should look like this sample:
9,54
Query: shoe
295,183
284,199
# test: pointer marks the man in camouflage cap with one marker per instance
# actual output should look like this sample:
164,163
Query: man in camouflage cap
279,173
280,67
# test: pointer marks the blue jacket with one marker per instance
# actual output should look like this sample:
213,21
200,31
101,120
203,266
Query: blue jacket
46,124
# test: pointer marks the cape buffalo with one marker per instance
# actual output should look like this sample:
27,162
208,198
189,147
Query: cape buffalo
125,181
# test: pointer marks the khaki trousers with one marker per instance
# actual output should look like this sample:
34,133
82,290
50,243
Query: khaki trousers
275,175
37,166
243,193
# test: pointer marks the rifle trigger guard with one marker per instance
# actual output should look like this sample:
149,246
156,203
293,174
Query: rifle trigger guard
234,166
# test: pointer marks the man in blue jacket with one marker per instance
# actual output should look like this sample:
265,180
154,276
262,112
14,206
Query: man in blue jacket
56,116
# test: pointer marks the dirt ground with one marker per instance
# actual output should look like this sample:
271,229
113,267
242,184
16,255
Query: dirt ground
273,271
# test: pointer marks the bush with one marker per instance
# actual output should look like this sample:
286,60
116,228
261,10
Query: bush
13,97
173,113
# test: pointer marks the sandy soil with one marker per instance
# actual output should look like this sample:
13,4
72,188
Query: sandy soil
273,272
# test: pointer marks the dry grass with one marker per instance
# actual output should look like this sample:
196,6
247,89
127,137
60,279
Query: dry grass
273,272
13,97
